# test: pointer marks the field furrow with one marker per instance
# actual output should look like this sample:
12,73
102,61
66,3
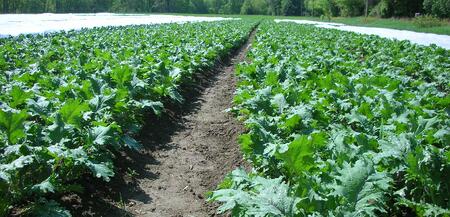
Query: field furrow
71,102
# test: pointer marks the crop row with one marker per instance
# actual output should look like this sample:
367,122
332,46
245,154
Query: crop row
341,124
69,101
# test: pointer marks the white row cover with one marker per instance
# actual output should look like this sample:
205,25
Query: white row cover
415,37
16,24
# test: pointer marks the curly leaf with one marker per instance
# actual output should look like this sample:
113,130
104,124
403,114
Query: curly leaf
362,188
256,196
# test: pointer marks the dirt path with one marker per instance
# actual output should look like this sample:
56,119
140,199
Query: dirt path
173,176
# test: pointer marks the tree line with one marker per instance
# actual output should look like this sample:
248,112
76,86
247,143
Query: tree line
381,8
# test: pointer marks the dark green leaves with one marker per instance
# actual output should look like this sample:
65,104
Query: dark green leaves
46,186
157,107
121,75
101,170
50,209
131,143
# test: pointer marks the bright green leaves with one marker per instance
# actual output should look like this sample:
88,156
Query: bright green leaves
245,140
292,123
122,75
271,78
18,96
300,156
13,124
72,111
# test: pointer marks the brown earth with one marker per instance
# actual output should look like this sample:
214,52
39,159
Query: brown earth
185,156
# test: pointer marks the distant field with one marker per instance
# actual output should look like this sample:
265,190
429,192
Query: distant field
15,24
393,23
402,24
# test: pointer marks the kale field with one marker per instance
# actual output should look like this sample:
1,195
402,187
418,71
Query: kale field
334,123
341,125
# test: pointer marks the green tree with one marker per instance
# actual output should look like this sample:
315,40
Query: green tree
322,7
440,8
274,7
199,7
407,8
214,6
288,7
232,6
382,8
247,7
255,7
350,7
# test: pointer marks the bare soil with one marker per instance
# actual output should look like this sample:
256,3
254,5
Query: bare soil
186,155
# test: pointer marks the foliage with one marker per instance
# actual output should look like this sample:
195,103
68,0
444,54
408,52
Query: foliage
440,8
355,125
269,7
397,8
326,8
288,7
402,8
350,7
69,101
254,7
256,196
382,9
427,21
